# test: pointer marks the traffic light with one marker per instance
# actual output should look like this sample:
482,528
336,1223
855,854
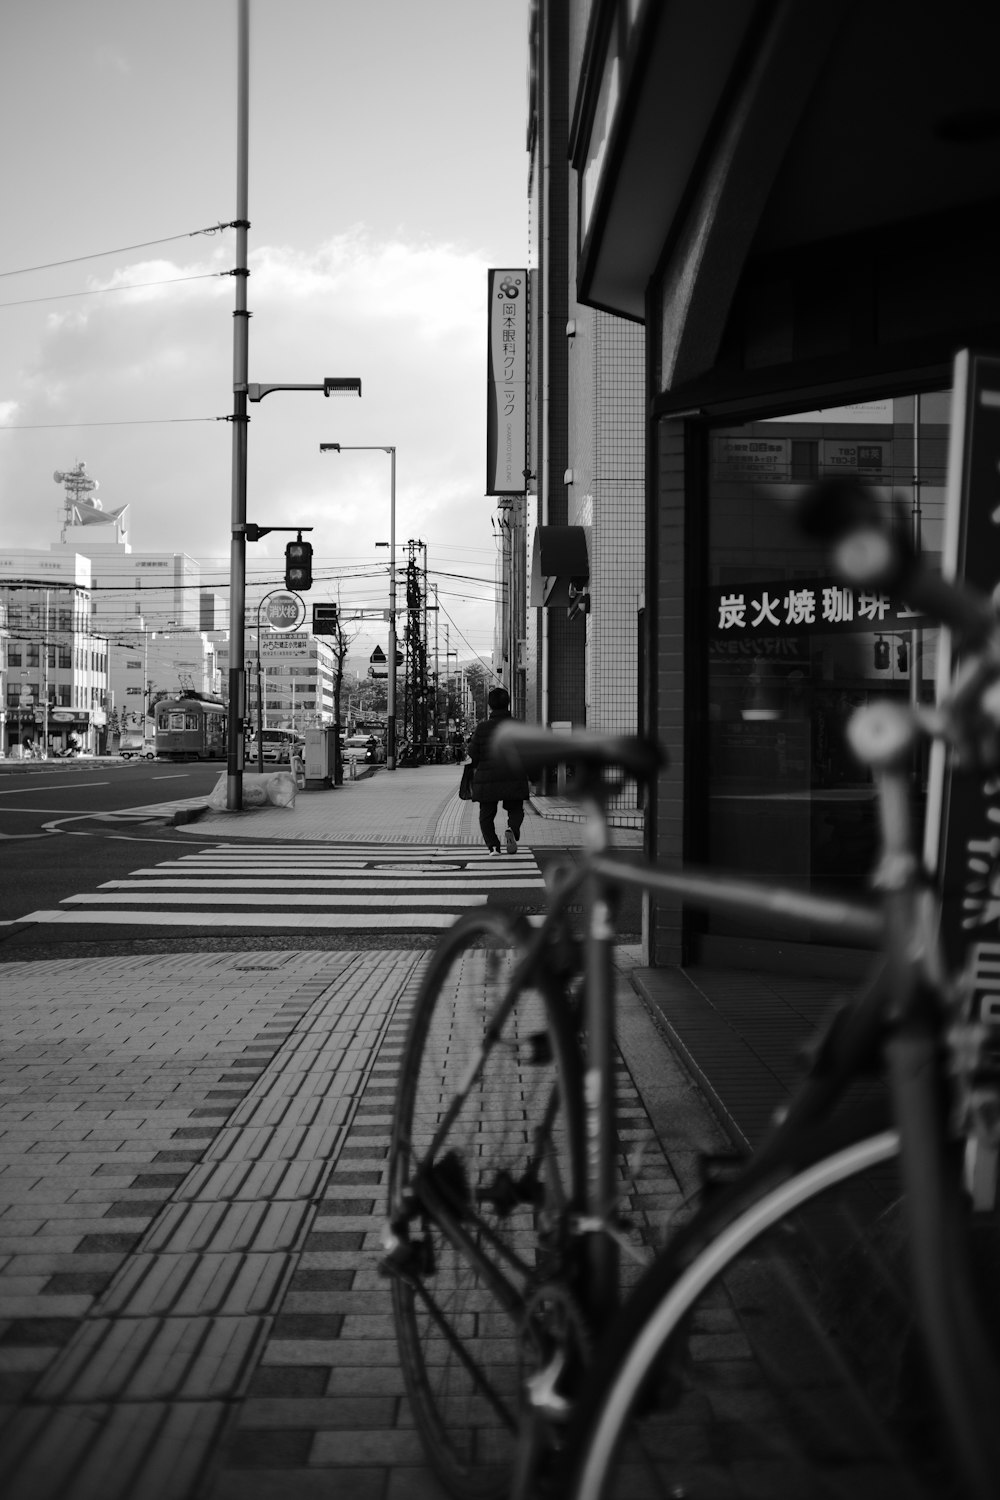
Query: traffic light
325,619
298,565
881,655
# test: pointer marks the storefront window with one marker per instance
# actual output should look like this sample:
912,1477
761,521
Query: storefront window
792,653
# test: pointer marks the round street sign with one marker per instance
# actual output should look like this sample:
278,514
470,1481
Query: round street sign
285,612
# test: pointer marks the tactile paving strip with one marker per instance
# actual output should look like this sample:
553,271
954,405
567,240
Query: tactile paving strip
180,1326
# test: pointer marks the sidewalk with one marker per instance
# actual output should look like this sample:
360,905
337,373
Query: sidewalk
192,1162
418,806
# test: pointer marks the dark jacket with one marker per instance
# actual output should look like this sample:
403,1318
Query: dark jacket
492,783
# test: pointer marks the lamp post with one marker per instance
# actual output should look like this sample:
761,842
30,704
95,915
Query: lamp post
390,712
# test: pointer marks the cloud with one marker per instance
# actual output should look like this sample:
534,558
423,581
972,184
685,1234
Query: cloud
408,318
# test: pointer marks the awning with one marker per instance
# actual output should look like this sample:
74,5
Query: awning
559,560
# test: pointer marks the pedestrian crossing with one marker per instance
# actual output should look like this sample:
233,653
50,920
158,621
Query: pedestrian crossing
297,886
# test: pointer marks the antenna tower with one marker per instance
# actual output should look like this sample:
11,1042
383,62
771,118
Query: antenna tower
77,484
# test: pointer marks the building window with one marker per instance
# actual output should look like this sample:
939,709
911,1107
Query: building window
791,654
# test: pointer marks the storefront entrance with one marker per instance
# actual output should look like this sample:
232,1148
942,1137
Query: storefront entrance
790,653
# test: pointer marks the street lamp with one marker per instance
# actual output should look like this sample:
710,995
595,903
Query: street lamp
390,727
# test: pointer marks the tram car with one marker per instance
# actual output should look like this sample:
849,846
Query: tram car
190,729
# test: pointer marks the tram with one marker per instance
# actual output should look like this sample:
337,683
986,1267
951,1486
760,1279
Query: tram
190,729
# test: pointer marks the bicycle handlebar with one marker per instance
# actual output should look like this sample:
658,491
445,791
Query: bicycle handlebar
866,553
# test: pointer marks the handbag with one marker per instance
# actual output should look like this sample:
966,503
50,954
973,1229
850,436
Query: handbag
465,785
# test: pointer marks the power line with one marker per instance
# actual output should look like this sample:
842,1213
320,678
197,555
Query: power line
119,250
100,291
136,422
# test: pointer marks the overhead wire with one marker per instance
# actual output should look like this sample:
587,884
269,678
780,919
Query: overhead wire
100,291
118,250
131,422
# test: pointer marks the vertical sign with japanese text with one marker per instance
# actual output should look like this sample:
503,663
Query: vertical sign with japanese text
507,393
963,814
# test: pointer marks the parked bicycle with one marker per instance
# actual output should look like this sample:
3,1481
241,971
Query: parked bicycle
818,1322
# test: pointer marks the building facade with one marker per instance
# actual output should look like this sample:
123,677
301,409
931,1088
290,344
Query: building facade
584,533
804,274
55,670
296,676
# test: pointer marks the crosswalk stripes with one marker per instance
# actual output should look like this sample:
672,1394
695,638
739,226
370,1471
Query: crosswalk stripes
350,887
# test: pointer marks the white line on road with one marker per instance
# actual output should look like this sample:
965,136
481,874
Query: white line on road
245,919
382,898
312,883
72,787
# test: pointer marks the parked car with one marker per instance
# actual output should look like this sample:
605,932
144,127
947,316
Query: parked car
137,745
278,745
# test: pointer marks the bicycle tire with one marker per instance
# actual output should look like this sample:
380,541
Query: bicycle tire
459,1341
773,1351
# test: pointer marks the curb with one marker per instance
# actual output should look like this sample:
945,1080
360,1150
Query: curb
187,814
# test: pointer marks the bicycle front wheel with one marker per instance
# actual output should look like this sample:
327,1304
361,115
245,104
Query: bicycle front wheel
774,1352
486,1158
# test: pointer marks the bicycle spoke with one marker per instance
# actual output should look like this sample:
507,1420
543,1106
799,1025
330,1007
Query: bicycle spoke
482,1158
784,1361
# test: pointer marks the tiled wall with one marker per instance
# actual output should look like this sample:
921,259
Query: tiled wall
617,527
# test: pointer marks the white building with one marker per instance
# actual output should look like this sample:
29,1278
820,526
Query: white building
55,667
297,673
152,608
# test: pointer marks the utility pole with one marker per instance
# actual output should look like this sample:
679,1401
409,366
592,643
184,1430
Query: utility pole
238,545
437,666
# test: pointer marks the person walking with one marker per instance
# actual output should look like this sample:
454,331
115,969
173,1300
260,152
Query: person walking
493,784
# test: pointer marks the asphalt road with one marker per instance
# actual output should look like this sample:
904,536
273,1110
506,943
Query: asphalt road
51,846
55,845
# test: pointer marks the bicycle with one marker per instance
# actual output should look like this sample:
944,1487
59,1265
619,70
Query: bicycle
773,1345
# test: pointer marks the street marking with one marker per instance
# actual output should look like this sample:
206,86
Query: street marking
240,919
307,883
71,787
383,898
275,886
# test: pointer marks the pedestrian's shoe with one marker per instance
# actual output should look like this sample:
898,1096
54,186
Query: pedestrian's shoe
511,842
493,852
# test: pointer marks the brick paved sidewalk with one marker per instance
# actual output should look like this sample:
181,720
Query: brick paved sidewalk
192,1153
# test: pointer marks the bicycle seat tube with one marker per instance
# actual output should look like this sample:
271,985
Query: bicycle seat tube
599,1075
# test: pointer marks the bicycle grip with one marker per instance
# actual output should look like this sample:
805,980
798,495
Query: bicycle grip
869,553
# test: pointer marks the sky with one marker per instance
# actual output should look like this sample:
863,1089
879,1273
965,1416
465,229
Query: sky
387,172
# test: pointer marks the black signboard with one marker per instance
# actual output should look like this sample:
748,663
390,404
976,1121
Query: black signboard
325,619
963,820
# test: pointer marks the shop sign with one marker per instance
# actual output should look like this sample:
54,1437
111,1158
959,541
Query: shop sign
785,648
285,645
803,607
770,459
871,459
963,812
752,458
506,389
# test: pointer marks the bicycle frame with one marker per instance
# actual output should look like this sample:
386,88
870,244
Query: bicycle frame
901,1018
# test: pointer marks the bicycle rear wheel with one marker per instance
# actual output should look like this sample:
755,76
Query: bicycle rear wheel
486,1157
774,1353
